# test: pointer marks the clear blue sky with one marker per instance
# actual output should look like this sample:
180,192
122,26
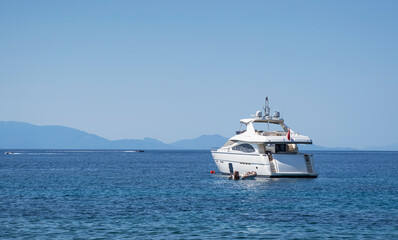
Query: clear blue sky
179,69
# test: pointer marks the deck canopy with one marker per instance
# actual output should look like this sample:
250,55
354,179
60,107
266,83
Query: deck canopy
251,134
255,138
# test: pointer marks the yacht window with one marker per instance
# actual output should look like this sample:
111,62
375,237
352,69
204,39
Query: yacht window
286,148
292,148
244,148
280,148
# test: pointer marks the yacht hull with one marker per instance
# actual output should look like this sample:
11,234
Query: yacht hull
275,165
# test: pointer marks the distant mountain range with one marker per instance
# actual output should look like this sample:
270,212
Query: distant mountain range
20,135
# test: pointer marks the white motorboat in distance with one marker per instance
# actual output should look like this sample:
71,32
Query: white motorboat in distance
268,152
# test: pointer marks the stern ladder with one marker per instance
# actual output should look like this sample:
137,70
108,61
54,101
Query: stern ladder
308,163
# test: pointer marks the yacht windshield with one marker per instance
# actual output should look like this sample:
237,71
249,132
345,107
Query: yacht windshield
267,127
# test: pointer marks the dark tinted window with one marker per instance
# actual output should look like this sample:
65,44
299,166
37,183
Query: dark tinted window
280,147
244,148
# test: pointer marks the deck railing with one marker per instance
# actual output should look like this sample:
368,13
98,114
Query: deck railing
264,133
220,149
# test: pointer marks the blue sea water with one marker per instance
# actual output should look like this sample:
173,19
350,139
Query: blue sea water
51,194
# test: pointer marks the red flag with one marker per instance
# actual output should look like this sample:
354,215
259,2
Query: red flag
288,135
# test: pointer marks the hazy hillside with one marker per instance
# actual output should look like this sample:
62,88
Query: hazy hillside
391,147
202,142
24,135
21,135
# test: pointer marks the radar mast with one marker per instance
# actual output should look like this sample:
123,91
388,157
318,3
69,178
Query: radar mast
267,109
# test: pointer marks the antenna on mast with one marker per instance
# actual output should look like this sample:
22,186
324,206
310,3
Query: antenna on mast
267,109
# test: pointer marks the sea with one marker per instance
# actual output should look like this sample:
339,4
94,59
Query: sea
112,194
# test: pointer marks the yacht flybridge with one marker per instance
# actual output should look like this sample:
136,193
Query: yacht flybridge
268,152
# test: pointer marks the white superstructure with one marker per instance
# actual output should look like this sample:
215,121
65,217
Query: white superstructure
269,152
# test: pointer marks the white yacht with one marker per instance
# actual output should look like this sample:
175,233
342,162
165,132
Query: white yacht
268,147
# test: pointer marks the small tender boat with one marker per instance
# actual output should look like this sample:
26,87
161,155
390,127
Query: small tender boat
248,175
8,153
245,176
